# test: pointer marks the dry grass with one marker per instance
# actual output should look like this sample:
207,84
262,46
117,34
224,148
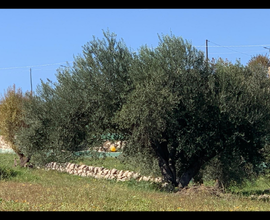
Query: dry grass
40,190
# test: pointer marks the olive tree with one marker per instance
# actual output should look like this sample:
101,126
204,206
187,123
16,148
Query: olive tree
73,113
183,112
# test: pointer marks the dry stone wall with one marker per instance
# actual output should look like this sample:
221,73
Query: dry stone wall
99,172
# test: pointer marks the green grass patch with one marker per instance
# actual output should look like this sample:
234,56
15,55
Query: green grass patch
258,186
41,190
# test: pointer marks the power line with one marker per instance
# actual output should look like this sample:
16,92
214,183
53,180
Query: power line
227,47
217,45
21,67
253,51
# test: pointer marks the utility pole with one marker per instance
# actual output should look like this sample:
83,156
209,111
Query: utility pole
31,80
206,47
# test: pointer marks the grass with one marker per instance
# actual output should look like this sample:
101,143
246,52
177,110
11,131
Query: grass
40,190
258,187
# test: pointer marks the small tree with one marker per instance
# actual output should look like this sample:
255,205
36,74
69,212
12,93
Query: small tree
11,112
259,60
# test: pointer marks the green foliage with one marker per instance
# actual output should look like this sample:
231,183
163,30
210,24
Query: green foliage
112,137
246,101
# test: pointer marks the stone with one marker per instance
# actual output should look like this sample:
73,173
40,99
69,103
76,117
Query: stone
118,144
76,166
64,164
114,171
146,178
130,174
105,172
106,146
55,166
111,177
85,169
98,169
122,178
89,174
82,166
71,166
120,172
95,170
152,179
136,175
158,180
107,176
79,171
125,173
52,165
98,176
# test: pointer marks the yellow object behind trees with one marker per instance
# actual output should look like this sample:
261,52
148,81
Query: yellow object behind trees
112,148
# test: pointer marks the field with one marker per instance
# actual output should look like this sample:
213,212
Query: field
24,189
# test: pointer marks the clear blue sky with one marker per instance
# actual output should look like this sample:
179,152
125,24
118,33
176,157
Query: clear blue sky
44,39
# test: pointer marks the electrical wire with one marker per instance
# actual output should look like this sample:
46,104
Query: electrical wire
256,51
217,45
20,67
229,48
